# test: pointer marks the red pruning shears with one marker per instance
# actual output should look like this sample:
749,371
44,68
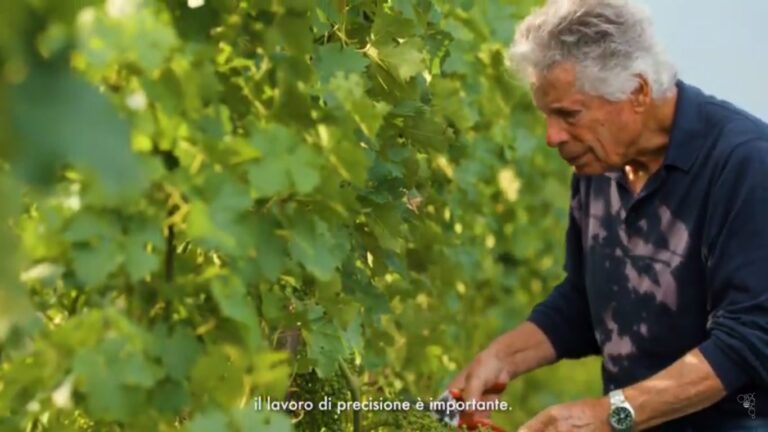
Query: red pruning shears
466,419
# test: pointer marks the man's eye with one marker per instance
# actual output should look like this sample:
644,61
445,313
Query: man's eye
570,115
565,115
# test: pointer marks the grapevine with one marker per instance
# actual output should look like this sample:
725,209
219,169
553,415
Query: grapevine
210,201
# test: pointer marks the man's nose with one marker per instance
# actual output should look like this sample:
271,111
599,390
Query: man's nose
556,133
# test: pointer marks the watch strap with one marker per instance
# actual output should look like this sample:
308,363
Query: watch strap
617,399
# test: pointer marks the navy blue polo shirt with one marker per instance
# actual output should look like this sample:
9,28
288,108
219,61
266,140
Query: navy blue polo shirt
682,264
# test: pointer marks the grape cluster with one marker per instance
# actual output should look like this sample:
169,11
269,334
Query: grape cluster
310,387
411,421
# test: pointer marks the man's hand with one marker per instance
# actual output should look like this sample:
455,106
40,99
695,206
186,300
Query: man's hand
516,352
587,415
482,379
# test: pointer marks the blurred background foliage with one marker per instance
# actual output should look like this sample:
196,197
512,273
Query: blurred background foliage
207,201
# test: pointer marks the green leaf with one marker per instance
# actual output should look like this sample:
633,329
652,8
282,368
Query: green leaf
83,330
444,92
303,169
287,163
358,286
248,420
169,397
208,421
272,372
234,303
222,220
299,6
93,264
54,97
134,369
140,262
386,223
425,131
177,352
165,90
65,11
274,303
387,27
200,226
345,153
353,336
295,34
215,376
228,197
269,178
137,34
334,58
111,375
406,7
497,17
271,249
129,363
231,298
14,24
87,226
349,91
324,346
404,60
106,398
329,10
318,246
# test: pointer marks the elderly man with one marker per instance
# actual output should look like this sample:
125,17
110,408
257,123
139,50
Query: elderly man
667,244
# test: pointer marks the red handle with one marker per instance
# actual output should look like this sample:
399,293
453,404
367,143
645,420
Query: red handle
469,420
499,387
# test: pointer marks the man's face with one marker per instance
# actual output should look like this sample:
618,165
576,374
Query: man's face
591,133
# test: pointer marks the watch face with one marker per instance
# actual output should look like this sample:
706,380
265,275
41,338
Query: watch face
621,418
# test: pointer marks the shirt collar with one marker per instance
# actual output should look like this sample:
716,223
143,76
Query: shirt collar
684,144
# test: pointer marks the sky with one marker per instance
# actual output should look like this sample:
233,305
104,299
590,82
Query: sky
719,46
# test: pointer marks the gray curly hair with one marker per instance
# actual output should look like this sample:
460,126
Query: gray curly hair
610,43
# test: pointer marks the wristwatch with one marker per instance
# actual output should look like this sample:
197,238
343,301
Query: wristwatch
621,416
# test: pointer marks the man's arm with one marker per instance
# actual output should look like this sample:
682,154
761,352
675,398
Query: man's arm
523,349
686,386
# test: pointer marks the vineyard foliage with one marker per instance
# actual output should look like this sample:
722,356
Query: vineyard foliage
208,201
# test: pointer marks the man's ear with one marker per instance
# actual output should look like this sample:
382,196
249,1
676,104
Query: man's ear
642,95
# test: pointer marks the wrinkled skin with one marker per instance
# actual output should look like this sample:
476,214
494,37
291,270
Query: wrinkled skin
596,135
487,370
588,415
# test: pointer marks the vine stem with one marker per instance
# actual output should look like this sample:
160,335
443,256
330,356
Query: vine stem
169,252
354,389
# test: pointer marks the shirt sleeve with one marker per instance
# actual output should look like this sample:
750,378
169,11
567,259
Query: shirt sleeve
564,316
736,255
